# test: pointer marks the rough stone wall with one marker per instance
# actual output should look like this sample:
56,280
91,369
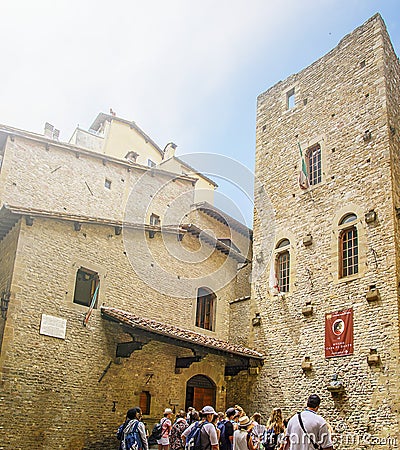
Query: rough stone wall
8,247
78,182
52,385
337,99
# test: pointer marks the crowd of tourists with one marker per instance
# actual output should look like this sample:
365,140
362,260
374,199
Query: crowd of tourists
232,430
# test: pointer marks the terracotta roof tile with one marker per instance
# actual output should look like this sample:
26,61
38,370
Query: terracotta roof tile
179,333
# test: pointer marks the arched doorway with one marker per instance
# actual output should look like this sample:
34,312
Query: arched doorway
200,391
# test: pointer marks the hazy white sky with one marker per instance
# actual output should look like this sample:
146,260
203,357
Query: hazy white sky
184,71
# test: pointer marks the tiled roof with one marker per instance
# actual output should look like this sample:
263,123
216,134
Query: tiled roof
178,333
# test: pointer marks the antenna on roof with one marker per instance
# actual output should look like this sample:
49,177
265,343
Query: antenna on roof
112,112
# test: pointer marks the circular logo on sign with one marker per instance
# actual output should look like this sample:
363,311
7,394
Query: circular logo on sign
338,327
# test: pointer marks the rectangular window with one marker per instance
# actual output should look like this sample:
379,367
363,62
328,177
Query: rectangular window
290,99
283,271
205,309
86,287
151,163
155,220
349,252
314,165
144,402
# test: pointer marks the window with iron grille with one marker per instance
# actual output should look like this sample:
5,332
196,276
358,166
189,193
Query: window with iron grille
348,247
314,165
205,315
283,265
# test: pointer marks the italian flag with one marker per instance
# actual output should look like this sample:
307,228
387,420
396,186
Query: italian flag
303,177
273,279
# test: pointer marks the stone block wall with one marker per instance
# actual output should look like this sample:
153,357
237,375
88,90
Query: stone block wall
337,99
61,389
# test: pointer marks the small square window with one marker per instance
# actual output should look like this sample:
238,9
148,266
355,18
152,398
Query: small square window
86,287
151,163
107,183
290,99
155,220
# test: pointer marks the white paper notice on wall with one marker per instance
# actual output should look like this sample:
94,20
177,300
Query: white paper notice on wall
53,326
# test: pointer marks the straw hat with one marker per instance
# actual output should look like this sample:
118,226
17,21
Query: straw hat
244,421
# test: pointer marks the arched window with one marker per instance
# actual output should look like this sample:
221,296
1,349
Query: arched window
283,265
205,311
348,246
314,165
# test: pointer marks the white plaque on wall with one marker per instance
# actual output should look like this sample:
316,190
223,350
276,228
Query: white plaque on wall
53,326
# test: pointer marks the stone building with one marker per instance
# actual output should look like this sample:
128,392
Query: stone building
327,158
117,285
111,220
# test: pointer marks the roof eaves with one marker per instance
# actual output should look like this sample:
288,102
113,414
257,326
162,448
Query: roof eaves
220,216
181,161
179,333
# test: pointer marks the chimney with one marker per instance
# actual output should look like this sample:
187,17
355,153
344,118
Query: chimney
48,130
51,132
169,150
56,134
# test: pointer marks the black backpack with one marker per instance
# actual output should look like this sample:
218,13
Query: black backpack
270,439
156,432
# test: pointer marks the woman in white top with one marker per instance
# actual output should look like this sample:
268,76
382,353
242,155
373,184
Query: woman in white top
242,437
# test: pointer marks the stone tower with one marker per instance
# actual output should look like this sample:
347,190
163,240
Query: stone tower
335,246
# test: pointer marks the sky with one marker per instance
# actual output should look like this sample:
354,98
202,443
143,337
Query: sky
187,72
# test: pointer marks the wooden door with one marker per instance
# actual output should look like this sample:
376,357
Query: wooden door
203,397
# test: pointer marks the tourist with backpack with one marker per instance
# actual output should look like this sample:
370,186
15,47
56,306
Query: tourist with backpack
180,425
242,436
166,425
132,433
202,435
275,429
226,428
258,430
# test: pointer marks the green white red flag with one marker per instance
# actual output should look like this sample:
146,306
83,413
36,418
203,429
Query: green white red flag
303,177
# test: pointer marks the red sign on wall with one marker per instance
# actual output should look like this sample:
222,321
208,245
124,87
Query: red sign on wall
339,333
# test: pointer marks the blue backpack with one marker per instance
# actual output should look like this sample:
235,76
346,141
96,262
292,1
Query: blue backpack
193,440
222,436
129,436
